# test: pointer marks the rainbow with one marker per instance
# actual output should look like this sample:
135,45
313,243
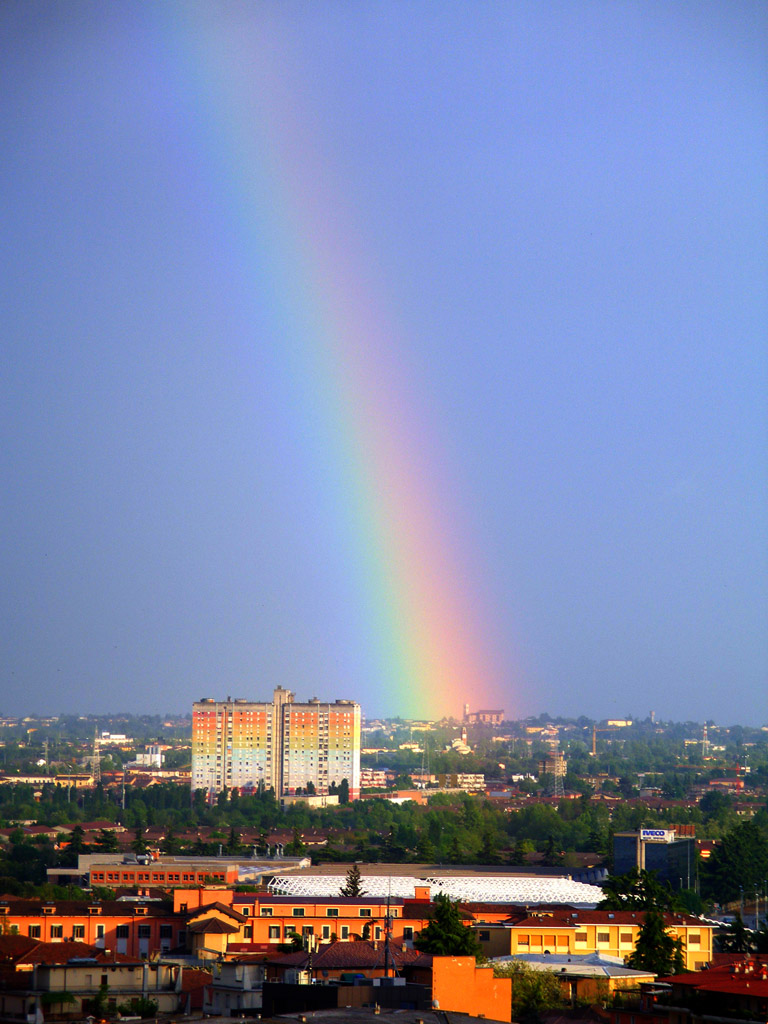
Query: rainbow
424,624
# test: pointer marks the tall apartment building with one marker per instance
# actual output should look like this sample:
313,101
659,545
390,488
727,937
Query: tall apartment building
282,745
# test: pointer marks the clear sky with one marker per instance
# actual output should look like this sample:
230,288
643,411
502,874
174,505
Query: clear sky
407,352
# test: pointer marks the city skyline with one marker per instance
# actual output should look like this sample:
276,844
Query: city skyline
411,355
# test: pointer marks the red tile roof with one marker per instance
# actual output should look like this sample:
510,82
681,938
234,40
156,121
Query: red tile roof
18,950
352,956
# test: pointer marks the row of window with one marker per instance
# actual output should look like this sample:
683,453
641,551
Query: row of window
329,912
157,876
122,931
325,932
580,938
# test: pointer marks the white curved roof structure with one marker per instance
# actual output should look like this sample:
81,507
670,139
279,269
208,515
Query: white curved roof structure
468,889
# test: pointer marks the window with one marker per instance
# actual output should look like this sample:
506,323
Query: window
485,936
604,937
694,938
266,911
248,931
298,911
377,932
245,911
625,938
34,931
326,931
580,938
345,931
122,931
57,931
274,931
522,940
100,928
307,930
332,912
365,911
78,932
408,933
166,931
145,931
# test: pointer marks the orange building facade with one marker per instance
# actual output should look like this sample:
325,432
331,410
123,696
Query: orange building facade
268,921
162,874
134,929
460,986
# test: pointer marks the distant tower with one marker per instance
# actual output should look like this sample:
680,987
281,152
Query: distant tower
560,769
96,759
554,764
466,712
704,744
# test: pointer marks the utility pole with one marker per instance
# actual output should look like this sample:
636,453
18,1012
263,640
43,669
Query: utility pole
387,929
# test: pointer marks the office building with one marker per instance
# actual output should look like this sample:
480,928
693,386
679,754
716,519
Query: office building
283,745
671,856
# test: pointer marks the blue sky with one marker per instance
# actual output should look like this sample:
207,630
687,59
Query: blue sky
562,210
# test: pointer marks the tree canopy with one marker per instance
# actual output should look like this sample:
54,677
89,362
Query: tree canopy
446,934
638,890
739,863
354,883
655,949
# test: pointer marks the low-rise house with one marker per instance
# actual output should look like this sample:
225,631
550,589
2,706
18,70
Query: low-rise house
452,984
588,978
338,961
236,987
210,929
134,929
43,980
611,933
731,992
265,921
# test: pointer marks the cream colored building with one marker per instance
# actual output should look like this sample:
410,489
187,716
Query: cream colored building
611,933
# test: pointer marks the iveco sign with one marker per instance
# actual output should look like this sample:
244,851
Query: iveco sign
657,835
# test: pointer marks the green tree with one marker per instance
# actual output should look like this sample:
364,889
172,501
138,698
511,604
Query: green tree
344,792
142,1006
296,846
446,934
739,862
169,844
138,844
353,885
736,938
655,949
532,991
637,890
77,842
107,841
